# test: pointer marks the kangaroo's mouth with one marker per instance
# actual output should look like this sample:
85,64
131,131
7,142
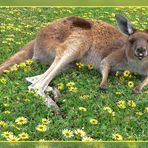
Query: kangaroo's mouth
140,56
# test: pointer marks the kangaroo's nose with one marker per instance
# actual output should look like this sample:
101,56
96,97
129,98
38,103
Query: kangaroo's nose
140,50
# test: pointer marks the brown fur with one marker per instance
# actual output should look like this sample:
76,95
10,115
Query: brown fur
25,53
96,42
79,22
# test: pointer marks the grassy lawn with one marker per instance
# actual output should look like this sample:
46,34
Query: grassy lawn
118,114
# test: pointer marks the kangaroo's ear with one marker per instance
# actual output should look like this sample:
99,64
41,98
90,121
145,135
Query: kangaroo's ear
124,25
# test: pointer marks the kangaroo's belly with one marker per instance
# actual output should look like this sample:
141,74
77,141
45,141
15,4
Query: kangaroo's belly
92,57
45,56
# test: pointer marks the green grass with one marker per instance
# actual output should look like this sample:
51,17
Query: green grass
19,26
74,3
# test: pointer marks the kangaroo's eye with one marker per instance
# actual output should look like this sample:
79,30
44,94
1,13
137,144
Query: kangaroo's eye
132,40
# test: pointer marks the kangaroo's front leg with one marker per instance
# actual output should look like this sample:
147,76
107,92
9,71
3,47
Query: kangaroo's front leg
141,86
104,68
114,59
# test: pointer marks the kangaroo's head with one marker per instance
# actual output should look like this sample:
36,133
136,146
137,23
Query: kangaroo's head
137,40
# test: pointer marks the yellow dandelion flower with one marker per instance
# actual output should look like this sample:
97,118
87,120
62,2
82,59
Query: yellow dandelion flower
7,112
121,78
2,123
60,86
21,120
82,109
126,73
3,80
84,97
139,113
80,133
119,93
131,103
27,100
113,15
41,128
70,84
23,136
113,114
121,104
67,133
6,104
93,121
117,74
27,69
14,68
29,62
130,84
73,89
6,71
108,109
90,66
22,65
7,134
87,139
146,109
117,136
13,138
79,65
45,121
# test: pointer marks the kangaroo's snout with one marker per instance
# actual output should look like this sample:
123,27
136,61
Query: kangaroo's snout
140,52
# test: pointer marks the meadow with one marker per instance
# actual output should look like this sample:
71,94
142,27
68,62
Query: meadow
74,3
88,114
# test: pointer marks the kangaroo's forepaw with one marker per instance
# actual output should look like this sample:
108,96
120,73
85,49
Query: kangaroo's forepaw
103,87
136,90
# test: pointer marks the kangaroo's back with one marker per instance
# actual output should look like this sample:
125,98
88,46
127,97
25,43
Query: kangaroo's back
105,40
103,37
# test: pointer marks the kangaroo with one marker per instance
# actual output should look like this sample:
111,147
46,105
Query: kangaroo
99,43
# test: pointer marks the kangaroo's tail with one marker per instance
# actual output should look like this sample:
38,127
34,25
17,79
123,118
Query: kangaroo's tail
25,53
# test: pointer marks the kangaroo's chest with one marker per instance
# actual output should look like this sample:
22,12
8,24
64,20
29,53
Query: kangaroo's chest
136,66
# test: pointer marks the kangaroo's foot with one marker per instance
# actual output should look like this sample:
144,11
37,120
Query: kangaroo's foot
43,91
33,79
136,90
103,86
56,93
48,101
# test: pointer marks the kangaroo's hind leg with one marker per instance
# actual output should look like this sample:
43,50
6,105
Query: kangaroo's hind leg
48,100
66,53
